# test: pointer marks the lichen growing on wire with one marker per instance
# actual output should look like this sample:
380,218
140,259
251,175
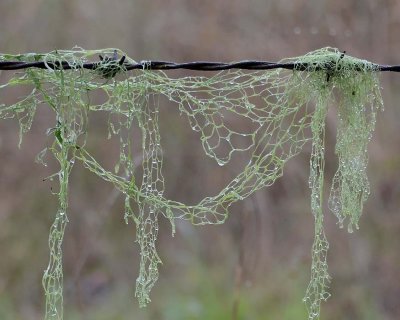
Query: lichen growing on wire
284,110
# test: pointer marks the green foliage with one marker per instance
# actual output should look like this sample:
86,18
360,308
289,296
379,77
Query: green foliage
283,110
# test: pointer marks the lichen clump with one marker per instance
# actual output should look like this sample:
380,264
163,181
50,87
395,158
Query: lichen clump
358,99
285,110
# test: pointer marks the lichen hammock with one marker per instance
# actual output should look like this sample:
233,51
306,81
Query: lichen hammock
285,109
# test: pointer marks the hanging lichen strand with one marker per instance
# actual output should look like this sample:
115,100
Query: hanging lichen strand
358,100
282,109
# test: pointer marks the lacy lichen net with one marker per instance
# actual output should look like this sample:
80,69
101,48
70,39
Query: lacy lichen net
284,109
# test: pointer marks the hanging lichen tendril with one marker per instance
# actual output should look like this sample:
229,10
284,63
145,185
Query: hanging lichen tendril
317,288
53,276
359,99
68,129
70,111
152,186
356,114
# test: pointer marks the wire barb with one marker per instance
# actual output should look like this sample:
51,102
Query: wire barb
108,67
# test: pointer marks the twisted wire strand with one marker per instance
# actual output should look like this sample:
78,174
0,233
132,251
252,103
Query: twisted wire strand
166,65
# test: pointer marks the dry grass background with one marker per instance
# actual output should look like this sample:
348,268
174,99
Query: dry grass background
256,266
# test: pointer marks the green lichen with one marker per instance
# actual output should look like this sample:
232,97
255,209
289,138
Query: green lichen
284,110
358,99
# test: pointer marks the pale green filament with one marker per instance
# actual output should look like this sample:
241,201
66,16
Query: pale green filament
152,185
282,110
53,276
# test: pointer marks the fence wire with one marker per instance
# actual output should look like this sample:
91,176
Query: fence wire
167,65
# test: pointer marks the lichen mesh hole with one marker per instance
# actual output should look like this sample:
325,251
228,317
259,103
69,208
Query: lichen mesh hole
283,108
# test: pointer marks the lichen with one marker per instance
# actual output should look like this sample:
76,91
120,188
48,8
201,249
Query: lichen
284,110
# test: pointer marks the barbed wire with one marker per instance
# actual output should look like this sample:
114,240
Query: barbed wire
167,65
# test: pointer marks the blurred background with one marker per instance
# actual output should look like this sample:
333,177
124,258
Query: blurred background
256,265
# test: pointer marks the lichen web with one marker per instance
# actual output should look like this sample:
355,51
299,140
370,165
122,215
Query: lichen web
283,110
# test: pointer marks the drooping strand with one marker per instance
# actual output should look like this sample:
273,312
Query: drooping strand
152,187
